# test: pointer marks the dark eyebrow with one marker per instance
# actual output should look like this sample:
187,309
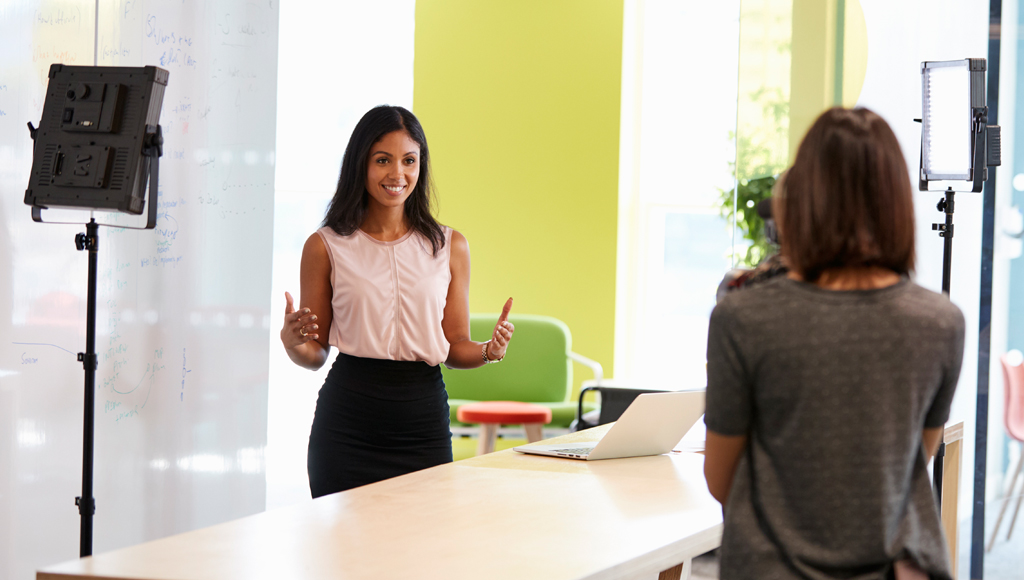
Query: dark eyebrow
389,155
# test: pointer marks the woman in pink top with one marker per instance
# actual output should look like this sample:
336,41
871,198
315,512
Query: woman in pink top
389,286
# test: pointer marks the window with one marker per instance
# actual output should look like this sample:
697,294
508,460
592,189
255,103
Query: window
684,95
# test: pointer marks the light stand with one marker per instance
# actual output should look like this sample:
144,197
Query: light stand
97,147
86,503
90,241
957,145
945,230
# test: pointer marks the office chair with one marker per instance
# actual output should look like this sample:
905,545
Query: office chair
614,401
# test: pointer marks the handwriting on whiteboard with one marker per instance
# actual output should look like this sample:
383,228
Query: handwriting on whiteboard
175,46
60,17
44,344
107,52
148,379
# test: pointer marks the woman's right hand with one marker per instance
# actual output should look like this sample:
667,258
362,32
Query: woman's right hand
299,327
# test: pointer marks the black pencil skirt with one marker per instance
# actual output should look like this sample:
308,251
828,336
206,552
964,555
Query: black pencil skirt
377,419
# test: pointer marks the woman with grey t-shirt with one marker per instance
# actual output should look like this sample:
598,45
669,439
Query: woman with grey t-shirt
828,388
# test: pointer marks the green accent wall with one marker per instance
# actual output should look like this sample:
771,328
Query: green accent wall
520,103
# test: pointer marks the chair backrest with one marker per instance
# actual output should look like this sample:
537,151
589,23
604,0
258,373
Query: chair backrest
536,367
614,402
1013,387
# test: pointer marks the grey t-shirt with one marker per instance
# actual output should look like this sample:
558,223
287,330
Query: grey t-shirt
833,389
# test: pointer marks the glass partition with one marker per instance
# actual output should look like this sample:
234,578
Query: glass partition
1003,538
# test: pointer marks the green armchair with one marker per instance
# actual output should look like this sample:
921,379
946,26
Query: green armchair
537,368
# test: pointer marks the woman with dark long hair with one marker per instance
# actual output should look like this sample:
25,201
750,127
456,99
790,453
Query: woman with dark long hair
828,387
389,287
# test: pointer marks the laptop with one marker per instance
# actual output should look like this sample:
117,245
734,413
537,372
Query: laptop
651,425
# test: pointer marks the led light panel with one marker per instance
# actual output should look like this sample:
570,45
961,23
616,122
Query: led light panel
946,134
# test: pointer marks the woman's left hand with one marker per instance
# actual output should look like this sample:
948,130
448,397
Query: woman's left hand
502,334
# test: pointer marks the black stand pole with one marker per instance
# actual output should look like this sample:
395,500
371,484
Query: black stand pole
152,150
946,233
86,503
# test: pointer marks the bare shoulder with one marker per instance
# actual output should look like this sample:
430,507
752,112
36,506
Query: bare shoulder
315,246
315,256
460,245
458,263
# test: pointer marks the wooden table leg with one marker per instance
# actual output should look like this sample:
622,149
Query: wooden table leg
953,436
488,435
680,572
534,431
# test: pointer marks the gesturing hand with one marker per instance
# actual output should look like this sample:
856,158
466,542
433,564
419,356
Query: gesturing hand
299,327
502,334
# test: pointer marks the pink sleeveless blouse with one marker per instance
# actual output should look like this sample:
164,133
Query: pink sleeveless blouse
388,297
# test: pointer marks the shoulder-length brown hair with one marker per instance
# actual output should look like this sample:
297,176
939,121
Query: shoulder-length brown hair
847,199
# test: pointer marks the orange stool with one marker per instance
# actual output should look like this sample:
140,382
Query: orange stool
490,414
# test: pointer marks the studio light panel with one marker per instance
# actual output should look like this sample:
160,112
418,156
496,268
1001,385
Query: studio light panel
946,134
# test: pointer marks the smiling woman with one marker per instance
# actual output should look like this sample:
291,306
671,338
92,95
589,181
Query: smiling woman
394,169
379,152
390,287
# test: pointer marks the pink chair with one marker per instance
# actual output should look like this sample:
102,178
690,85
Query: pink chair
1013,386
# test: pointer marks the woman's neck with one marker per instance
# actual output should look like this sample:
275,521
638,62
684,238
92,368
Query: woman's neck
852,278
385,224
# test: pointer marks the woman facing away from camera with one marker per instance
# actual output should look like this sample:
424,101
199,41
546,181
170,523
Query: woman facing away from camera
828,388
389,287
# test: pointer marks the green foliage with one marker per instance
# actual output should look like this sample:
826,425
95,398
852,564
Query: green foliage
762,153
763,147
751,191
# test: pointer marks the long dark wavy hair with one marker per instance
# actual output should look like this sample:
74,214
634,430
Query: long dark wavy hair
348,208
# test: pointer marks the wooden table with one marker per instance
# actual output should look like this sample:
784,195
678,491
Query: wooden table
502,515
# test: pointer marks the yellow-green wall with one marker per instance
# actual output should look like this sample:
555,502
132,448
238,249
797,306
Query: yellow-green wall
520,103
829,39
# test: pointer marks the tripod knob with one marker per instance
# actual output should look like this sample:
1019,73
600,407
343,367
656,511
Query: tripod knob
85,241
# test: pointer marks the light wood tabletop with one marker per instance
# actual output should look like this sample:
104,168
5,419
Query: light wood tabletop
501,515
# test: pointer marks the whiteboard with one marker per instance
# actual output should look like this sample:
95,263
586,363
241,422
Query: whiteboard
183,312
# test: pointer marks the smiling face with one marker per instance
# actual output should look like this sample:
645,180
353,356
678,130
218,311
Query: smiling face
393,169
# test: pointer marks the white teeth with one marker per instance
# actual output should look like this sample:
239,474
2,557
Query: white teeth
394,189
